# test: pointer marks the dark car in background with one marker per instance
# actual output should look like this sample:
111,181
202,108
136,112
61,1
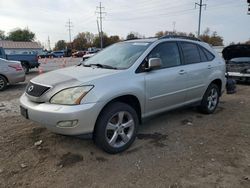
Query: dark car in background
45,54
58,54
238,61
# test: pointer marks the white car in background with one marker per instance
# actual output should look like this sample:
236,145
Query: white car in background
11,72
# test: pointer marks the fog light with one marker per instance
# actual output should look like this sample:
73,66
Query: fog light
67,124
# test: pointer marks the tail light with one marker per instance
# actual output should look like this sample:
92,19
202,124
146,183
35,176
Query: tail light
17,67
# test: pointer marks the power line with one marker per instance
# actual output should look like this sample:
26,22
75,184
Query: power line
100,17
69,25
200,8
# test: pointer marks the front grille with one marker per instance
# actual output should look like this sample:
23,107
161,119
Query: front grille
36,90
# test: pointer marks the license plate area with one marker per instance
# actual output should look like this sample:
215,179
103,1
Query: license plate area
24,112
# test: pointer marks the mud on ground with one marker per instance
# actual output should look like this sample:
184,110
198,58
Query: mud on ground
182,148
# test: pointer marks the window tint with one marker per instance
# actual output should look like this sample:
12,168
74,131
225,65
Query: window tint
190,53
0,52
202,55
209,55
168,52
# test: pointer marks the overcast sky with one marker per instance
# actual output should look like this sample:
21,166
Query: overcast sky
48,17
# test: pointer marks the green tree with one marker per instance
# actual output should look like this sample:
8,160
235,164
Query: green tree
21,35
60,45
2,35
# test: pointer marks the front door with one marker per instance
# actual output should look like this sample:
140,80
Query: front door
165,87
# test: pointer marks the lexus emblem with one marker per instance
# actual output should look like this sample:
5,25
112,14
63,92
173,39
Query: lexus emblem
30,88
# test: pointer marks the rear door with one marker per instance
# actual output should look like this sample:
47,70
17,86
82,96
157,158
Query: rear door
165,87
198,67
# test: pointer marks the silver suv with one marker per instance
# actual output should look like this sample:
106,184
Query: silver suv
110,93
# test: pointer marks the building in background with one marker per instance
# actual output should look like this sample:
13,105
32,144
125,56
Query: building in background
13,47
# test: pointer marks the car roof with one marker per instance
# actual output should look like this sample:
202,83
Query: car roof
170,38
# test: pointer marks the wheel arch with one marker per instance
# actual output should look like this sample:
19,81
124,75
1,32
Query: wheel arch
5,77
129,99
217,82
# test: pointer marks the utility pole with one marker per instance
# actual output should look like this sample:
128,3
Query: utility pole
98,28
100,17
200,9
174,23
248,1
69,25
49,48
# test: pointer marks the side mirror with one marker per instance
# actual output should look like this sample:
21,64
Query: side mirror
153,63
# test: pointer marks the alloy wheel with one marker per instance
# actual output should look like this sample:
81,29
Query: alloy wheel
212,99
120,129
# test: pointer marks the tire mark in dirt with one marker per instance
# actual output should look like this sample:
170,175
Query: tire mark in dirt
69,159
157,139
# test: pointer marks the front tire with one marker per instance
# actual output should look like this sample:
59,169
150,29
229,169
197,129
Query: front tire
116,128
210,99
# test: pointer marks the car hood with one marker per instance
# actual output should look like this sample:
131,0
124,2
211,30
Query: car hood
72,76
234,51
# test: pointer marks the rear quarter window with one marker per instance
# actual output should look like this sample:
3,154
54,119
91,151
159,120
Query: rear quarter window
209,55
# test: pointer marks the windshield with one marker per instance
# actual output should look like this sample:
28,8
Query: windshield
119,55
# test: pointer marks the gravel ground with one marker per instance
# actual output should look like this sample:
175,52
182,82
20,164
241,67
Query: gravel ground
182,148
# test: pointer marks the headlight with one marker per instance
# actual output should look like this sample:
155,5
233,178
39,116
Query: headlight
70,96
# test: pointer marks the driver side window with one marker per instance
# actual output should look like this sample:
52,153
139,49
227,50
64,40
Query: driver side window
168,52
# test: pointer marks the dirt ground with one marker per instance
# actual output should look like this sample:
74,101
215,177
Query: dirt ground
182,148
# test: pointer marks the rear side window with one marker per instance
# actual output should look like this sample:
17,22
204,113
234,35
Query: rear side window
168,52
209,55
191,53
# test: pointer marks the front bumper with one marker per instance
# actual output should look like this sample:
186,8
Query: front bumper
238,74
49,115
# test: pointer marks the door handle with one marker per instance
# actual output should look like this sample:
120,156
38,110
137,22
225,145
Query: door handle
209,66
182,72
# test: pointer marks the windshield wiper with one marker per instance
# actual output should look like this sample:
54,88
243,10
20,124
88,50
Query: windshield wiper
101,66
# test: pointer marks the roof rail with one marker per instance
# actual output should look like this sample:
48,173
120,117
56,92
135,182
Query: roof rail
180,37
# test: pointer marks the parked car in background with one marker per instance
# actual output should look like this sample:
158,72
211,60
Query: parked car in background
88,55
11,72
28,61
44,54
111,93
79,54
57,54
238,61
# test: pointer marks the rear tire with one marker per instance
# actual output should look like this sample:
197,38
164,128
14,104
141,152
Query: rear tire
25,68
210,99
3,83
116,128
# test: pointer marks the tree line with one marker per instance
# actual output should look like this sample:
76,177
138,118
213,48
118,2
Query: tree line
84,40
18,35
